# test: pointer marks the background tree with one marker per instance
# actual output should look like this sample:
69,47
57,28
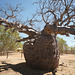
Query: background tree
67,49
61,44
72,50
7,40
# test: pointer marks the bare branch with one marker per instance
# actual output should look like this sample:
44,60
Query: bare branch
70,3
24,39
43,18
65,11
26,31
58,9
13,11
67,8
21,28
52,13
68,18
51,29
72,26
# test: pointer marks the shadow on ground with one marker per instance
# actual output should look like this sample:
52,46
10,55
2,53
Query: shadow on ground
22,68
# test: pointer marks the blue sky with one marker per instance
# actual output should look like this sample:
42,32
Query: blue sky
30,9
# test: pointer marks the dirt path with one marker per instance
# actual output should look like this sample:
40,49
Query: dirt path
15,65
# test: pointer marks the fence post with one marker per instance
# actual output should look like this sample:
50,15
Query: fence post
7,55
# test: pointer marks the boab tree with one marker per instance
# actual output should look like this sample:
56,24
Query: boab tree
40,48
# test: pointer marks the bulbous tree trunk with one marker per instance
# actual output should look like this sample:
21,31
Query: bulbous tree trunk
42,52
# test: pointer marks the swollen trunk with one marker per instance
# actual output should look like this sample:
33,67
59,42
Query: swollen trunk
42,52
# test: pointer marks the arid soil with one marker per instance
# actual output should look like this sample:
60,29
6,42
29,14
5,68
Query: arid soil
15,65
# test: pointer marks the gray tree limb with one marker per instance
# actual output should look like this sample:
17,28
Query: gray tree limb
21,28
52,29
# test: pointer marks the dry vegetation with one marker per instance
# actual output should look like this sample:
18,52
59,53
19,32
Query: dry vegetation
15,65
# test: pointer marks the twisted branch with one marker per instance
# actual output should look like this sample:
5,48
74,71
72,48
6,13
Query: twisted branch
51,29
21,28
